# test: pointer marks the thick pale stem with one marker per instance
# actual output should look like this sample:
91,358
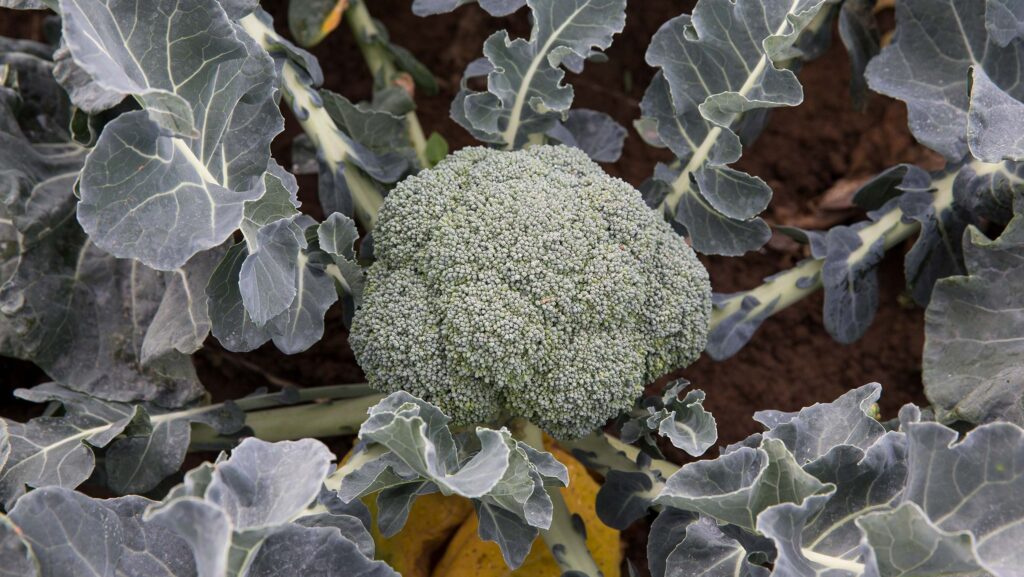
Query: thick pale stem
602,453
566,537
334,480
314,420
308,108
354,463
382,65
834,562
788,288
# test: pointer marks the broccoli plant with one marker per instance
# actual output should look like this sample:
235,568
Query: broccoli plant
527,284
510,304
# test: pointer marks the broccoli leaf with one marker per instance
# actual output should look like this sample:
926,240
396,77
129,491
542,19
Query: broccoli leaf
91,321
593,132
144,443
337,236
70,533
684,422
821,533
857,498
903,542
929,66
738,486
716,65
170,181
813,431
973,327
493,7
706,550
957,514
505,478
280,201
969,486
525,94
283,284
245,515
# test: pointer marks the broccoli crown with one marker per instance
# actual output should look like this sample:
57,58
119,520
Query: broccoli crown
528,284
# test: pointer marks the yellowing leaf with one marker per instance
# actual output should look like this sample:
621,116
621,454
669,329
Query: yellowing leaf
432,520
310,21
468,556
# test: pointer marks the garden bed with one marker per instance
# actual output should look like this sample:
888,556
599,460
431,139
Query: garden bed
791,361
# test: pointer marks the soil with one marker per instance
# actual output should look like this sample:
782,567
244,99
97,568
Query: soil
812,156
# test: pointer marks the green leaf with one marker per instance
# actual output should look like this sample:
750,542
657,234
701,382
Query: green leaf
970,485
337,236
821,533
167,182
738,486
684,422
593,132
280,201
248,515
928,65
812,432
91,321
904,543
525,93
706,550
143,443
715,66
973,332
437,148
505,478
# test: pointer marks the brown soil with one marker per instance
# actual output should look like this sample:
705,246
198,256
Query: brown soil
823,146
812,156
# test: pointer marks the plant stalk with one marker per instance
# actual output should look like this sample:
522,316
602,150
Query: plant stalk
382,66
682,184
308,108
787,288
339,416
602,453
567,536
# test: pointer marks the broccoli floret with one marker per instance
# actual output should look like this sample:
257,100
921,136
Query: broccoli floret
527,284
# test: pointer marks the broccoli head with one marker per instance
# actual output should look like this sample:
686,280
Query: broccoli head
527,284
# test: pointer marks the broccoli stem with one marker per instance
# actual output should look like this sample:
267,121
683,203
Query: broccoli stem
308,109
783,290
327,411
682,184
382,66
602,453
320,420
567,536
355,462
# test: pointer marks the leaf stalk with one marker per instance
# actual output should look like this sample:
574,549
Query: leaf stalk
566,537
382,65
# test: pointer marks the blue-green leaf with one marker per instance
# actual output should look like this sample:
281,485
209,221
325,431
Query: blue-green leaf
973,332
716,65
928,65
525,93
167,182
